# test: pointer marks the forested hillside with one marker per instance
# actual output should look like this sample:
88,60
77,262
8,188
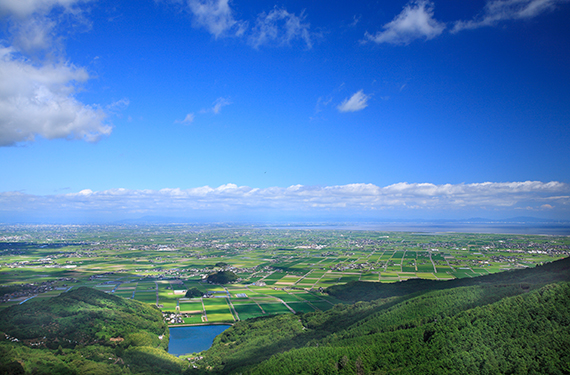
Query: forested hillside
515,322
85,331
539,275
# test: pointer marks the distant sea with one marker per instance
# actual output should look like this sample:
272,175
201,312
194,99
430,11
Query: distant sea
551,229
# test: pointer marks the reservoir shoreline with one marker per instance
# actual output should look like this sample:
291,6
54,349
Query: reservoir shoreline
199,325
193,338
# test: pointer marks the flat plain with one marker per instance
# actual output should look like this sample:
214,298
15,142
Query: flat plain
280,270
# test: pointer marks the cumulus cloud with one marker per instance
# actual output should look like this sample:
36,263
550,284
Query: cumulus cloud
351,198
38,100
500,10
417,20
24,8
33,34
32,24
414,22
279,27
356,102
216,16
37,94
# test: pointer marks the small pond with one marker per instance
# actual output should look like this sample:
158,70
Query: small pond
186,340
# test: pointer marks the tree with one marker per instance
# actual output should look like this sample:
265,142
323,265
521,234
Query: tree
222,277
193,292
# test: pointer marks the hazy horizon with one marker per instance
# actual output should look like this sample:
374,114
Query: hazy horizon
225,110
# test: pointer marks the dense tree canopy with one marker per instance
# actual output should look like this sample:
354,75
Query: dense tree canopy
515,322
222,277
193,293
85,331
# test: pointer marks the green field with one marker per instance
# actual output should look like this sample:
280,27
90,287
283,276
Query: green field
246,311
286,263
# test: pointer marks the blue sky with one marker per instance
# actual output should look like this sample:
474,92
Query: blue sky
297,110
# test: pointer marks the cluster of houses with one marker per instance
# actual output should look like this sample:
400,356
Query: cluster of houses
351,266
10,338
93,277
504,259
28,290
174,318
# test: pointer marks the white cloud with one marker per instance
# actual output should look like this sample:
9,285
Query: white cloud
355,20
217,106
219,103
187,120
279,27
322,103
356,102
33,34
39,101
351,199
24,8
32,24
37,94
415,22
215,109
216,16
499,10
118,105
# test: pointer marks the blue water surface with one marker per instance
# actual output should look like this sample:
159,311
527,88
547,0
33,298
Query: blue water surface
186,340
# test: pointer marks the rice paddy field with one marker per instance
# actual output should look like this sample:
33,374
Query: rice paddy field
279,270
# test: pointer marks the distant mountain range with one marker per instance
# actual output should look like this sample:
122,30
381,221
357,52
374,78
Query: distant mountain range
517,219
181,220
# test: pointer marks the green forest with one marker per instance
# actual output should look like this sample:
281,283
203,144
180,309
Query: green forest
85,331
513,322
222,277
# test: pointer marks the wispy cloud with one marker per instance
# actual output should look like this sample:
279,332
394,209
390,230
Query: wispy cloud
417,20
215,109
279,27
355,20
351,198
219,103
414,22
216,16
275,28
496,11
187,120
217,106
322,103
356,102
